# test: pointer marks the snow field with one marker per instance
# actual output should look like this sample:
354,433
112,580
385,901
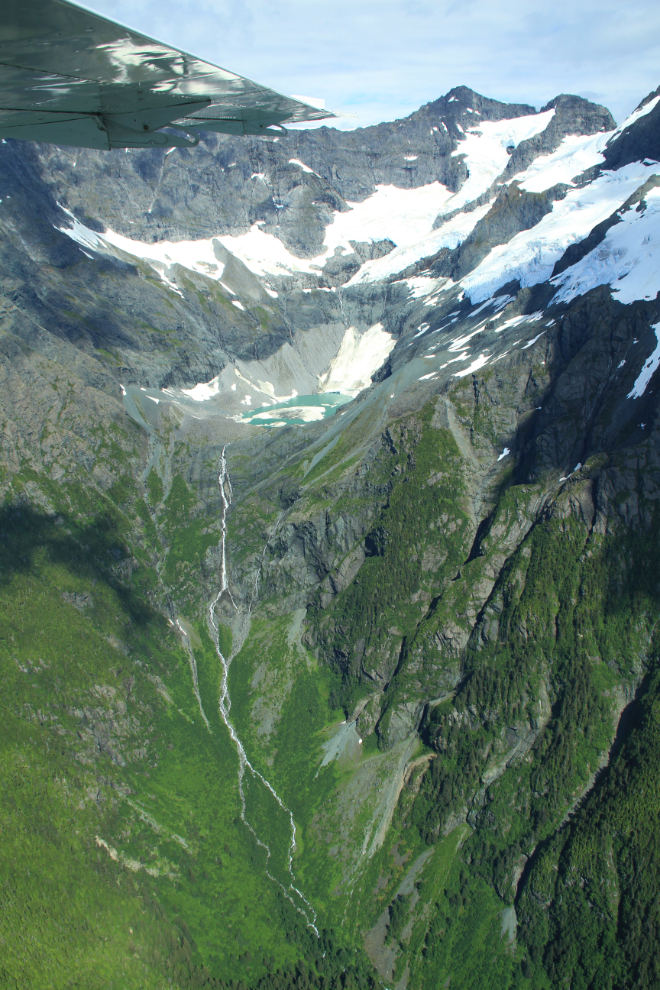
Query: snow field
574,155
531,255
628,258
636,114
486,155
449,235
405,216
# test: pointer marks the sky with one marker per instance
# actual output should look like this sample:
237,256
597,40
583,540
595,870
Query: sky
375,60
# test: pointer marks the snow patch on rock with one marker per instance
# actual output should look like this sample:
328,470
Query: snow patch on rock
649,369
485,149
358,358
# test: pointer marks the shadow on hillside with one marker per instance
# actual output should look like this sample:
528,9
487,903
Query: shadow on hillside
89,549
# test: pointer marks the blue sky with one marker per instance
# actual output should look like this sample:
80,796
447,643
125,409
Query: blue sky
382,59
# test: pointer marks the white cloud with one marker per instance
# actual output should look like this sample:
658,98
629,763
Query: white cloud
381,59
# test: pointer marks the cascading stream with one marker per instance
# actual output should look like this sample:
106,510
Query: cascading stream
185,639
292,892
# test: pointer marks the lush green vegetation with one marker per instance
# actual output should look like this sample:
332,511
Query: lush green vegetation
419,472
188,535
547,594
123,857
280,708
590,910
464,940
515,744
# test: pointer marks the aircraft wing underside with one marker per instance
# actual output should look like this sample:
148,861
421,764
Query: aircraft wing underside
71,77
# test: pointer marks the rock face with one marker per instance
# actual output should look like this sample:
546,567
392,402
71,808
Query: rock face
429,351
228,184
273,223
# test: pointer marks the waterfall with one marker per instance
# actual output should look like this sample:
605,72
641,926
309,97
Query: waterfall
244,766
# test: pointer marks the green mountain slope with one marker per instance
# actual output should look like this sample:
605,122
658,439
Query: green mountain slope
482,671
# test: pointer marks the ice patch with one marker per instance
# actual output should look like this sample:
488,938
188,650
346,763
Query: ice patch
204,390
308,414
636,114
649,369
196,256
423,285
401,215
485,149
405,216
79,233
517,320
264,254
498,302
358,358
460,343
533,340
461,357
577,467
505,453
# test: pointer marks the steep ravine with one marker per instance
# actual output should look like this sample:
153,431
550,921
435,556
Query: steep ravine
289,888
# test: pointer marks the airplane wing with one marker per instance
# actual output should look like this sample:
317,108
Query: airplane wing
70,77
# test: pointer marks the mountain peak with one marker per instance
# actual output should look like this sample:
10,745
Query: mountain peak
462,99
587,116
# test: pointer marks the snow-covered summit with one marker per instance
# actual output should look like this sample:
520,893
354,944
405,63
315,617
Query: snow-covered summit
308,264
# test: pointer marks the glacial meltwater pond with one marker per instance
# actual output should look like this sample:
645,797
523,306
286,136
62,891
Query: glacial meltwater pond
270,412
299,409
